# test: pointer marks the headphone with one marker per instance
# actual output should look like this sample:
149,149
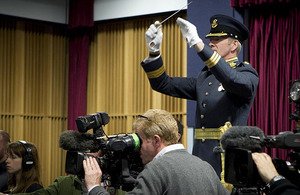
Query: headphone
27,160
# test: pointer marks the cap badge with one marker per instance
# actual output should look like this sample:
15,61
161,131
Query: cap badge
214,24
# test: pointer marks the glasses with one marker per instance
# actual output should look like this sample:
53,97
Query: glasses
148,119
144,117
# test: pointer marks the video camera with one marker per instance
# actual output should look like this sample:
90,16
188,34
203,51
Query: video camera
119,160
240,169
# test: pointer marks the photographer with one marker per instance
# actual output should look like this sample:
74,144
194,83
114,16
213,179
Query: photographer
169,168
266,169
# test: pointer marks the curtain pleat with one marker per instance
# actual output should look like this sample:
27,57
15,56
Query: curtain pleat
274,53
252,3
81,19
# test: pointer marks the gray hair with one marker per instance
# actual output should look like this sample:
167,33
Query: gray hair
239,48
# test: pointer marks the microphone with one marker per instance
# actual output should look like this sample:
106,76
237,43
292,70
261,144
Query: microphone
247,137
75,141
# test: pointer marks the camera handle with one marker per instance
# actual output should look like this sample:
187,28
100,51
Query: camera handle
99,132
296,117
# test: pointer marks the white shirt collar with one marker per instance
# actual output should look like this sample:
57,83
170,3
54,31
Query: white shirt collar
168,149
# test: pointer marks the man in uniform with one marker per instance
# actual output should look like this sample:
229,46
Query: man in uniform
225,88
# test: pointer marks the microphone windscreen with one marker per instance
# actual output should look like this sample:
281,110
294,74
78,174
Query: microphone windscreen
247,137
76,141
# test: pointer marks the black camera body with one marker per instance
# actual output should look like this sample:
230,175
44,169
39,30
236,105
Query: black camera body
119,161
93,121
241,171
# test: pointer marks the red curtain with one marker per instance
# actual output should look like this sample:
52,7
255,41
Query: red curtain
251,3
80,22
274,53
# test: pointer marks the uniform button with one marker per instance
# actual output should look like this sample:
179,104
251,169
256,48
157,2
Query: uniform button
210,83
206,93
203,105
203,140
202,116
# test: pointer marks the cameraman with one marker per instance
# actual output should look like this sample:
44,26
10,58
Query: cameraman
278,184
169,168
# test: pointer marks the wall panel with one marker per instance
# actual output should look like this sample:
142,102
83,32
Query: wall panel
33,84
117,83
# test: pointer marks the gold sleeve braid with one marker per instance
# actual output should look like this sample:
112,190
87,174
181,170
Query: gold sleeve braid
156,73
213,60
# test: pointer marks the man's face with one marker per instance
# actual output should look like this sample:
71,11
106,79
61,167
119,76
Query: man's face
3,155
148,148
221,45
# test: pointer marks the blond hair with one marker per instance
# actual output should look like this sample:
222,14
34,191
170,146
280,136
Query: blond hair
158,122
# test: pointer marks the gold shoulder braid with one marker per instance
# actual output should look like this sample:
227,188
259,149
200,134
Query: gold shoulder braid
228,186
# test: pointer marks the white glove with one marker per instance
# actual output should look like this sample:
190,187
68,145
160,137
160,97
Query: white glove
189,31
154,37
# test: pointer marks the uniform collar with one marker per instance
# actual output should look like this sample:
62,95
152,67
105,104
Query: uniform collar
233,62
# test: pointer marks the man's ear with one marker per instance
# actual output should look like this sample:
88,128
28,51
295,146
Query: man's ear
157,140
235,44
